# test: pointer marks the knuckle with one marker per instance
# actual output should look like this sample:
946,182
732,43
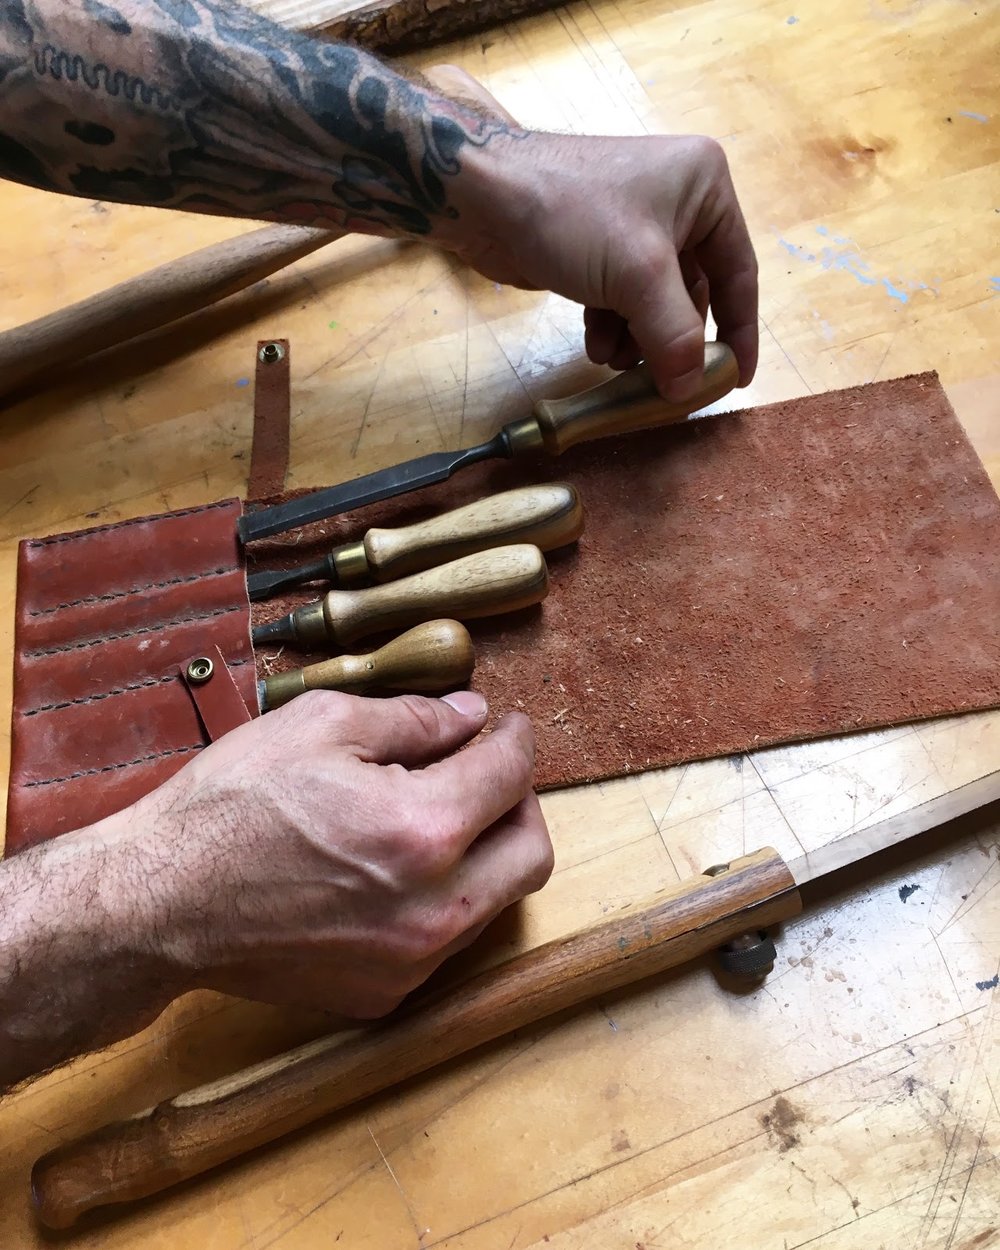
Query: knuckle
709,154
424,712
429,838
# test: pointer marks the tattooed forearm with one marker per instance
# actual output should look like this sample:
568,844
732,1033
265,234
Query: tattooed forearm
204,105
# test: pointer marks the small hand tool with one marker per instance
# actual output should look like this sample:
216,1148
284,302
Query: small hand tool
624,403
204,1127
548,516
484,584
429,658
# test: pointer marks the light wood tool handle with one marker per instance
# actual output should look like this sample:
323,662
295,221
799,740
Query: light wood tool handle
548,516
205,1127
489,582
435,656
151,300
629,402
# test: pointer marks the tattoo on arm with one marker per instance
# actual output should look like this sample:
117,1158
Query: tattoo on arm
205,105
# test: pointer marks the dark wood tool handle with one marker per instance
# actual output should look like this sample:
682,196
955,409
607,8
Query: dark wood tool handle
207,1126
628,402
150,300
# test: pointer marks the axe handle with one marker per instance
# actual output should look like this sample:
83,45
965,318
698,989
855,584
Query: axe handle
152,299
207,1126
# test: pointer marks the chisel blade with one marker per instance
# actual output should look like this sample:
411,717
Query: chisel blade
372,488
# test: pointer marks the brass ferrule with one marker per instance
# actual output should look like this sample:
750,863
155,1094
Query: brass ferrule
310,625
524,437
351,565
280,687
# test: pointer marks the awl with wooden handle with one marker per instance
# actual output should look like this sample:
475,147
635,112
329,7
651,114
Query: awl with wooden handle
429,659
624,403
548,516
204,1127
489,582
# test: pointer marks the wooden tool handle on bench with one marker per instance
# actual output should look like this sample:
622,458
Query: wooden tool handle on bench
205,1127
151,300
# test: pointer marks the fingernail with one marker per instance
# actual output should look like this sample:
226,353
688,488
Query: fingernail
685,387
466,702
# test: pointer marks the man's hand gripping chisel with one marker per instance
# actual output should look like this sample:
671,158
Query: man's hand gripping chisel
549,516
624,403
489,582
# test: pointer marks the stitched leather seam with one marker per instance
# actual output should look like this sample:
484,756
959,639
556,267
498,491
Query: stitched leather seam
135,590
110,768
120,525
108,694
133,633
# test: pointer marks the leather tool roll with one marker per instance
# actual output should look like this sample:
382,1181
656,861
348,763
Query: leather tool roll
106,620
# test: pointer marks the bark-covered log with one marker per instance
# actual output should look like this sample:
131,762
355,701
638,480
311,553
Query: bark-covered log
395,25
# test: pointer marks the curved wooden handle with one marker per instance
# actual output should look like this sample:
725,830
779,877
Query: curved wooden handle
205,1127
151,300
547,516
435,656
489,582
629,402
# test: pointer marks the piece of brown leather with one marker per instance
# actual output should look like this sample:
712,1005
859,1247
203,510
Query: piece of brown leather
104,619
807,568
272,407
218,699
813,567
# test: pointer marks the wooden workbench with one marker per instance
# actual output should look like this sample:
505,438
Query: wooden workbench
852,1102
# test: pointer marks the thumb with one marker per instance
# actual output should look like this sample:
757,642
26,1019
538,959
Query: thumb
670,332
410,730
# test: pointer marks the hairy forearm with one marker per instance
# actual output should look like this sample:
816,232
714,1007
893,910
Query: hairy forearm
204,105
78,968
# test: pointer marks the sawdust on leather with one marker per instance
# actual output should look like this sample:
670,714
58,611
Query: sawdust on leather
806,568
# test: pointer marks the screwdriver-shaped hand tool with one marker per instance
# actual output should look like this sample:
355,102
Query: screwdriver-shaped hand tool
484,584
549,516
624,403
429,658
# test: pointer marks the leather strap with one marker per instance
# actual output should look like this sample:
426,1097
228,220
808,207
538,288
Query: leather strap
271,419
210,683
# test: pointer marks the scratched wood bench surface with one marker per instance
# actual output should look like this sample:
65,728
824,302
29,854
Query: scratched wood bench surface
852,1101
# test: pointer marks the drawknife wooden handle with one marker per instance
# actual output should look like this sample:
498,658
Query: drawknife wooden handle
198,1130
152,299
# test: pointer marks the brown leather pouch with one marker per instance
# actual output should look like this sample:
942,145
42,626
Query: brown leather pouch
107,621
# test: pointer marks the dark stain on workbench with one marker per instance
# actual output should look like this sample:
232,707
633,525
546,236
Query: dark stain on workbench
781,1122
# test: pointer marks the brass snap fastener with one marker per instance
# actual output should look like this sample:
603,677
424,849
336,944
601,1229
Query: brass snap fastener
199,671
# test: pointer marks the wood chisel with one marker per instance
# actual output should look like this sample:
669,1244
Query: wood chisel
204,1127
484,584
430,658
624,403
547,516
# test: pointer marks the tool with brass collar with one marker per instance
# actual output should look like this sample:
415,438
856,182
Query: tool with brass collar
549,516
626,402
429,659
484,584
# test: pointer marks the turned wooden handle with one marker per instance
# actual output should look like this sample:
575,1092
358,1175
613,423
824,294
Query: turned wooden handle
548,516
206,1126
629,402
435,656
489,582
150,300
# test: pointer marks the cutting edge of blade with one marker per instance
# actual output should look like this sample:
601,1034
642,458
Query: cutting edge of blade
859,845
